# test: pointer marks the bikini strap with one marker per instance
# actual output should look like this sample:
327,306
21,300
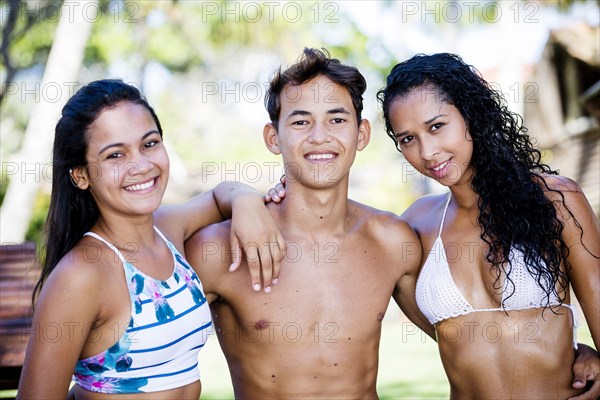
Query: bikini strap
444,214
116,251
170,245
160,234
113,248
576,323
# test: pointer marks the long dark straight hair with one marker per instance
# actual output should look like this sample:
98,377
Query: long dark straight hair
73,211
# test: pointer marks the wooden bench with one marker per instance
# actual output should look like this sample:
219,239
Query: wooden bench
19,272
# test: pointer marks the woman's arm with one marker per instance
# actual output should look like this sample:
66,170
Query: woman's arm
253,229
58,333
581,234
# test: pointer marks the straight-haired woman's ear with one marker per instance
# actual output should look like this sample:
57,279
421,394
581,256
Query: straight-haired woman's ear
79,177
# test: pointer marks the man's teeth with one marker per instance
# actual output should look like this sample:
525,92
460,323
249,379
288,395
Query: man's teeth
320,156
440,166
140,186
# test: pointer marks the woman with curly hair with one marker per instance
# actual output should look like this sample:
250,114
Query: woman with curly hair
503,246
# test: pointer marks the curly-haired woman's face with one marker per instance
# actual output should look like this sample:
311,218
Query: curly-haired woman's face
432,136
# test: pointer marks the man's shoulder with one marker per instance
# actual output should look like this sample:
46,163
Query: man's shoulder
212,231
206,238
384,224
393,237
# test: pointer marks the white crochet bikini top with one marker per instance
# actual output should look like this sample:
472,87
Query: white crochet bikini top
439,299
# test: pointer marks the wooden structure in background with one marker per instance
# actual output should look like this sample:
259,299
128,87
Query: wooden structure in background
562,106
19,272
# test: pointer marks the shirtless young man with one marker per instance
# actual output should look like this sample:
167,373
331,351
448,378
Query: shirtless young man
317,335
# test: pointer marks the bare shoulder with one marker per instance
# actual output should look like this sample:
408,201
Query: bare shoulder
385,224
85,263
214,235
396,243
391,235
78,273
566,194
418,214
553,183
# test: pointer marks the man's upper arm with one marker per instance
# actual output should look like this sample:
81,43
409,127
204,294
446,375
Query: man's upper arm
208,252
410,256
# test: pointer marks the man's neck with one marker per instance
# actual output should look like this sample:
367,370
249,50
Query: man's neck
314,211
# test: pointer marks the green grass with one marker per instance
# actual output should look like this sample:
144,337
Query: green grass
8,394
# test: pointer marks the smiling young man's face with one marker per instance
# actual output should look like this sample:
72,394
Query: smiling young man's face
318,132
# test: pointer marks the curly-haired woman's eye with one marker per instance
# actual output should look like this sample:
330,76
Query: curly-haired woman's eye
405,139
436,126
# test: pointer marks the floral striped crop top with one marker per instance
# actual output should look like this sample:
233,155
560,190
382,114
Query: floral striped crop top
170,322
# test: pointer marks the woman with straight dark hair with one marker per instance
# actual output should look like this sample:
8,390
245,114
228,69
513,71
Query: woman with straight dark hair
120,311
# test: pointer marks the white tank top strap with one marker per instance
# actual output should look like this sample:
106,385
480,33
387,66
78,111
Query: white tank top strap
113,248
444,214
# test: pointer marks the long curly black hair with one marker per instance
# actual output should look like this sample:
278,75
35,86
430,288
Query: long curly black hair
514,212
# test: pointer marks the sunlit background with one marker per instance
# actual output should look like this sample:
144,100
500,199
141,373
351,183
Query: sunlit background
204,66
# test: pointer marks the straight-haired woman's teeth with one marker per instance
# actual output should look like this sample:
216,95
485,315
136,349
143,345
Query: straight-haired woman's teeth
140,186
320,156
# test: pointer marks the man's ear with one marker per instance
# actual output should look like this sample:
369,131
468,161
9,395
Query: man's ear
79,177
364,134
271,138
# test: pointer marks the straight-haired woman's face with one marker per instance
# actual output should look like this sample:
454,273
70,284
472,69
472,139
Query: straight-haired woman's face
128,166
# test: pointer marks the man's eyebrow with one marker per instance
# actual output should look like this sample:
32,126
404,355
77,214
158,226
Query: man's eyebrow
297,112
339,110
